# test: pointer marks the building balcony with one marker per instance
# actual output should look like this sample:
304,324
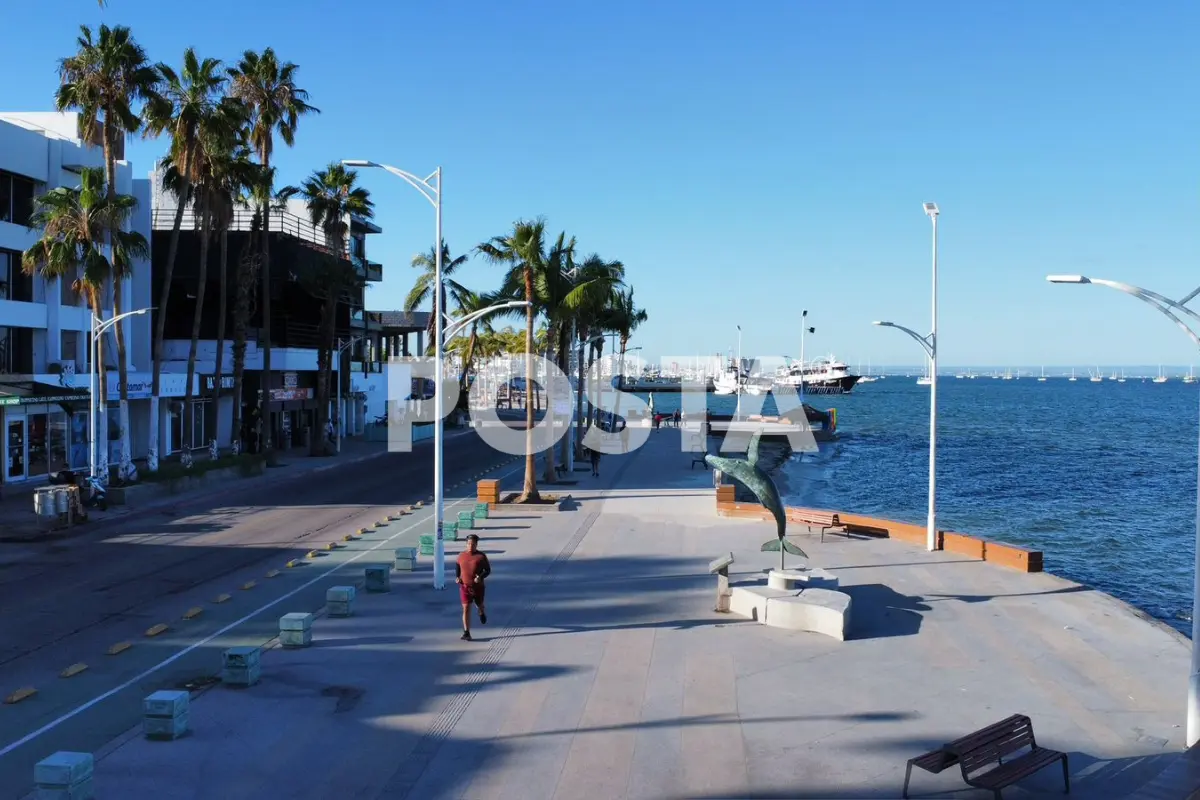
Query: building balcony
374,271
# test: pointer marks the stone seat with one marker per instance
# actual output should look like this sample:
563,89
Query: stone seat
815,610
798,579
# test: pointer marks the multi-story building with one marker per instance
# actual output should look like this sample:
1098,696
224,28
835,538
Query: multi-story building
296,248
45,326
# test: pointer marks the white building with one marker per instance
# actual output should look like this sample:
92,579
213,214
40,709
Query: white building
44,327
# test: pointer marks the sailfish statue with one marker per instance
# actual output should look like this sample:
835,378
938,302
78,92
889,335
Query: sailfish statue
760,483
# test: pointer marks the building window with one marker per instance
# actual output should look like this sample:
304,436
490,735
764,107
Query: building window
14,284
16,198
16,351
70,349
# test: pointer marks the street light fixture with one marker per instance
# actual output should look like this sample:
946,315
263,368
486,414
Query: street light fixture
98,328
930,345
1173,310
430,188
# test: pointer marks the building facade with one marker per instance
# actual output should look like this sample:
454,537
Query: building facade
45,326
297,246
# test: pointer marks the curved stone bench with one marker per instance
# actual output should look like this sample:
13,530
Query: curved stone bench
797,579
816,610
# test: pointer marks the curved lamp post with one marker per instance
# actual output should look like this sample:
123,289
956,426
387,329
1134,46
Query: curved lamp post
930,345
98,329
430,188
1173,310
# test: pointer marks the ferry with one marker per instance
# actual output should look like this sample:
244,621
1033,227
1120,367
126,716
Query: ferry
820,376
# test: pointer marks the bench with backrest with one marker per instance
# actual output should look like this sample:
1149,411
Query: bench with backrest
982,756
825,520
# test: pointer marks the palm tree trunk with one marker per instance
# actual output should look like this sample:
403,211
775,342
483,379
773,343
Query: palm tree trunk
201,283
529,492
243,291
264,396
160,326
550,475
222,311
110,169
325,347
468,356
94,298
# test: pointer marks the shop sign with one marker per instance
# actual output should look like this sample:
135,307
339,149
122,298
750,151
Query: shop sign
171,384
289,380
291,394
226,382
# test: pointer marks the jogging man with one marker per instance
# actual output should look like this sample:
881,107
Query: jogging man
470,571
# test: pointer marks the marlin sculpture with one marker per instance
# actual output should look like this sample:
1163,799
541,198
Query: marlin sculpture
754,478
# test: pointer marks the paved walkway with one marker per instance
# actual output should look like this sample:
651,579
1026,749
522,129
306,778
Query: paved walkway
605,674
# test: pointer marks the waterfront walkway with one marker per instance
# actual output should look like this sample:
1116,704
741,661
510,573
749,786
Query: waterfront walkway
605,674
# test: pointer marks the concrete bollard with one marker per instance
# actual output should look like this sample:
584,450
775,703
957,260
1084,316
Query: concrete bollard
295,629
64,776
339,600
427,544
481,511
241,666
406,559
165,714
378,578
450,531
466,520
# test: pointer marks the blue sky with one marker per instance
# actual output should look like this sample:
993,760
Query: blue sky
749,160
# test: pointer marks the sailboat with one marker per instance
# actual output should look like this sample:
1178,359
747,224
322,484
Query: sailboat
1072,374
868,377
1042,379
1190,377
1161,378
926,379
1122,378
1097,376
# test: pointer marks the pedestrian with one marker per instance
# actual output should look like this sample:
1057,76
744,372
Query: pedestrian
675,418
595,454
470,571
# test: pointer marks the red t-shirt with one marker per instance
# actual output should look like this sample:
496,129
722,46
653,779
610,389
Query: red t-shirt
470,565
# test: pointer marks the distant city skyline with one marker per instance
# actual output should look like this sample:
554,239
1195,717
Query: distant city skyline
746,162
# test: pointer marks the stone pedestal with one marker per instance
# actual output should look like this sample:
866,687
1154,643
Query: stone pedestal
295,629
241,666
166,714
64,776
406,559
378,578
801,579
340,601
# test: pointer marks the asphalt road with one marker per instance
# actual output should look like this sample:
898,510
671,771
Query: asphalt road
69,606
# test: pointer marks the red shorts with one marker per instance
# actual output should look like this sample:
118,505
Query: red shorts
471,594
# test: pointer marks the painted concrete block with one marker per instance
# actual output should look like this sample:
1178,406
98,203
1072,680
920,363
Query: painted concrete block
166,728
241,676
404,564
815,610
296,638
63,768
295,621
405,552
427,550
340,594
466,520
166,703
84,790
450,531
378,578
340,609
242,657
481,511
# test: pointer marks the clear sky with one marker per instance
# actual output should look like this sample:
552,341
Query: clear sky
748,160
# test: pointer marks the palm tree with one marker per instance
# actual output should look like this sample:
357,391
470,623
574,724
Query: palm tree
275,105
104,81
422,289
333,200
523,250
623,319
75,225
189,101
468,302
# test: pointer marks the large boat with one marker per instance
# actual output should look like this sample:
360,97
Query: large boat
819,376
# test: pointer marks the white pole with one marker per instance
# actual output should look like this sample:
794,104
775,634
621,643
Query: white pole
737,414
803,330
337,394
931,533
92,407
439,551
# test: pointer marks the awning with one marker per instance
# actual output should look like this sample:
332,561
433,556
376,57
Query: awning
24,393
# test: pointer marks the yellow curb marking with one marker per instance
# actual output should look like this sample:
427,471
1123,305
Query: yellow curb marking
295,562
312,554
73,670
20,694
193,612
248,585
118,648
273,573
363,531
221,598
157,629
349,537
380,524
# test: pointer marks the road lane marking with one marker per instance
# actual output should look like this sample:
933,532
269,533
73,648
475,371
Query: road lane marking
155,630
118,648
20,694
193,612
73,670
273,573
135,680
221,598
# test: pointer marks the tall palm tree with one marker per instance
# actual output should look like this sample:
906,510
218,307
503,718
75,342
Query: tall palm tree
623,319
190,99
104,81
75,226
467,302
422,289
275,104
333,199
523,251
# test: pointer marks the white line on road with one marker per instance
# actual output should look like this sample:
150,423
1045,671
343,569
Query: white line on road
49,726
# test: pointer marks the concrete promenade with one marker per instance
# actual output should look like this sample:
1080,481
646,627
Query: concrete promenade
605,674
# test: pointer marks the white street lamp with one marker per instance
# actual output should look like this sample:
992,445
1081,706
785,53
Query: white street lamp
1172,310
337,392
456,326
737,411
930,345
430,188
98,328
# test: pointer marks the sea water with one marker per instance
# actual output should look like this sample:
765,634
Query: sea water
1099,476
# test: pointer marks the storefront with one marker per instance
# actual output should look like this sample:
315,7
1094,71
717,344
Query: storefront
45,429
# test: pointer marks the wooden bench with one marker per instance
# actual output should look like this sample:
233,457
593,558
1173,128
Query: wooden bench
827,522
981,754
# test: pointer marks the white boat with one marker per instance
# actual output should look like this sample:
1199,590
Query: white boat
819,376
1097,376
1190,377
1161,378
868,377
1042,379
1072,378
926,379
